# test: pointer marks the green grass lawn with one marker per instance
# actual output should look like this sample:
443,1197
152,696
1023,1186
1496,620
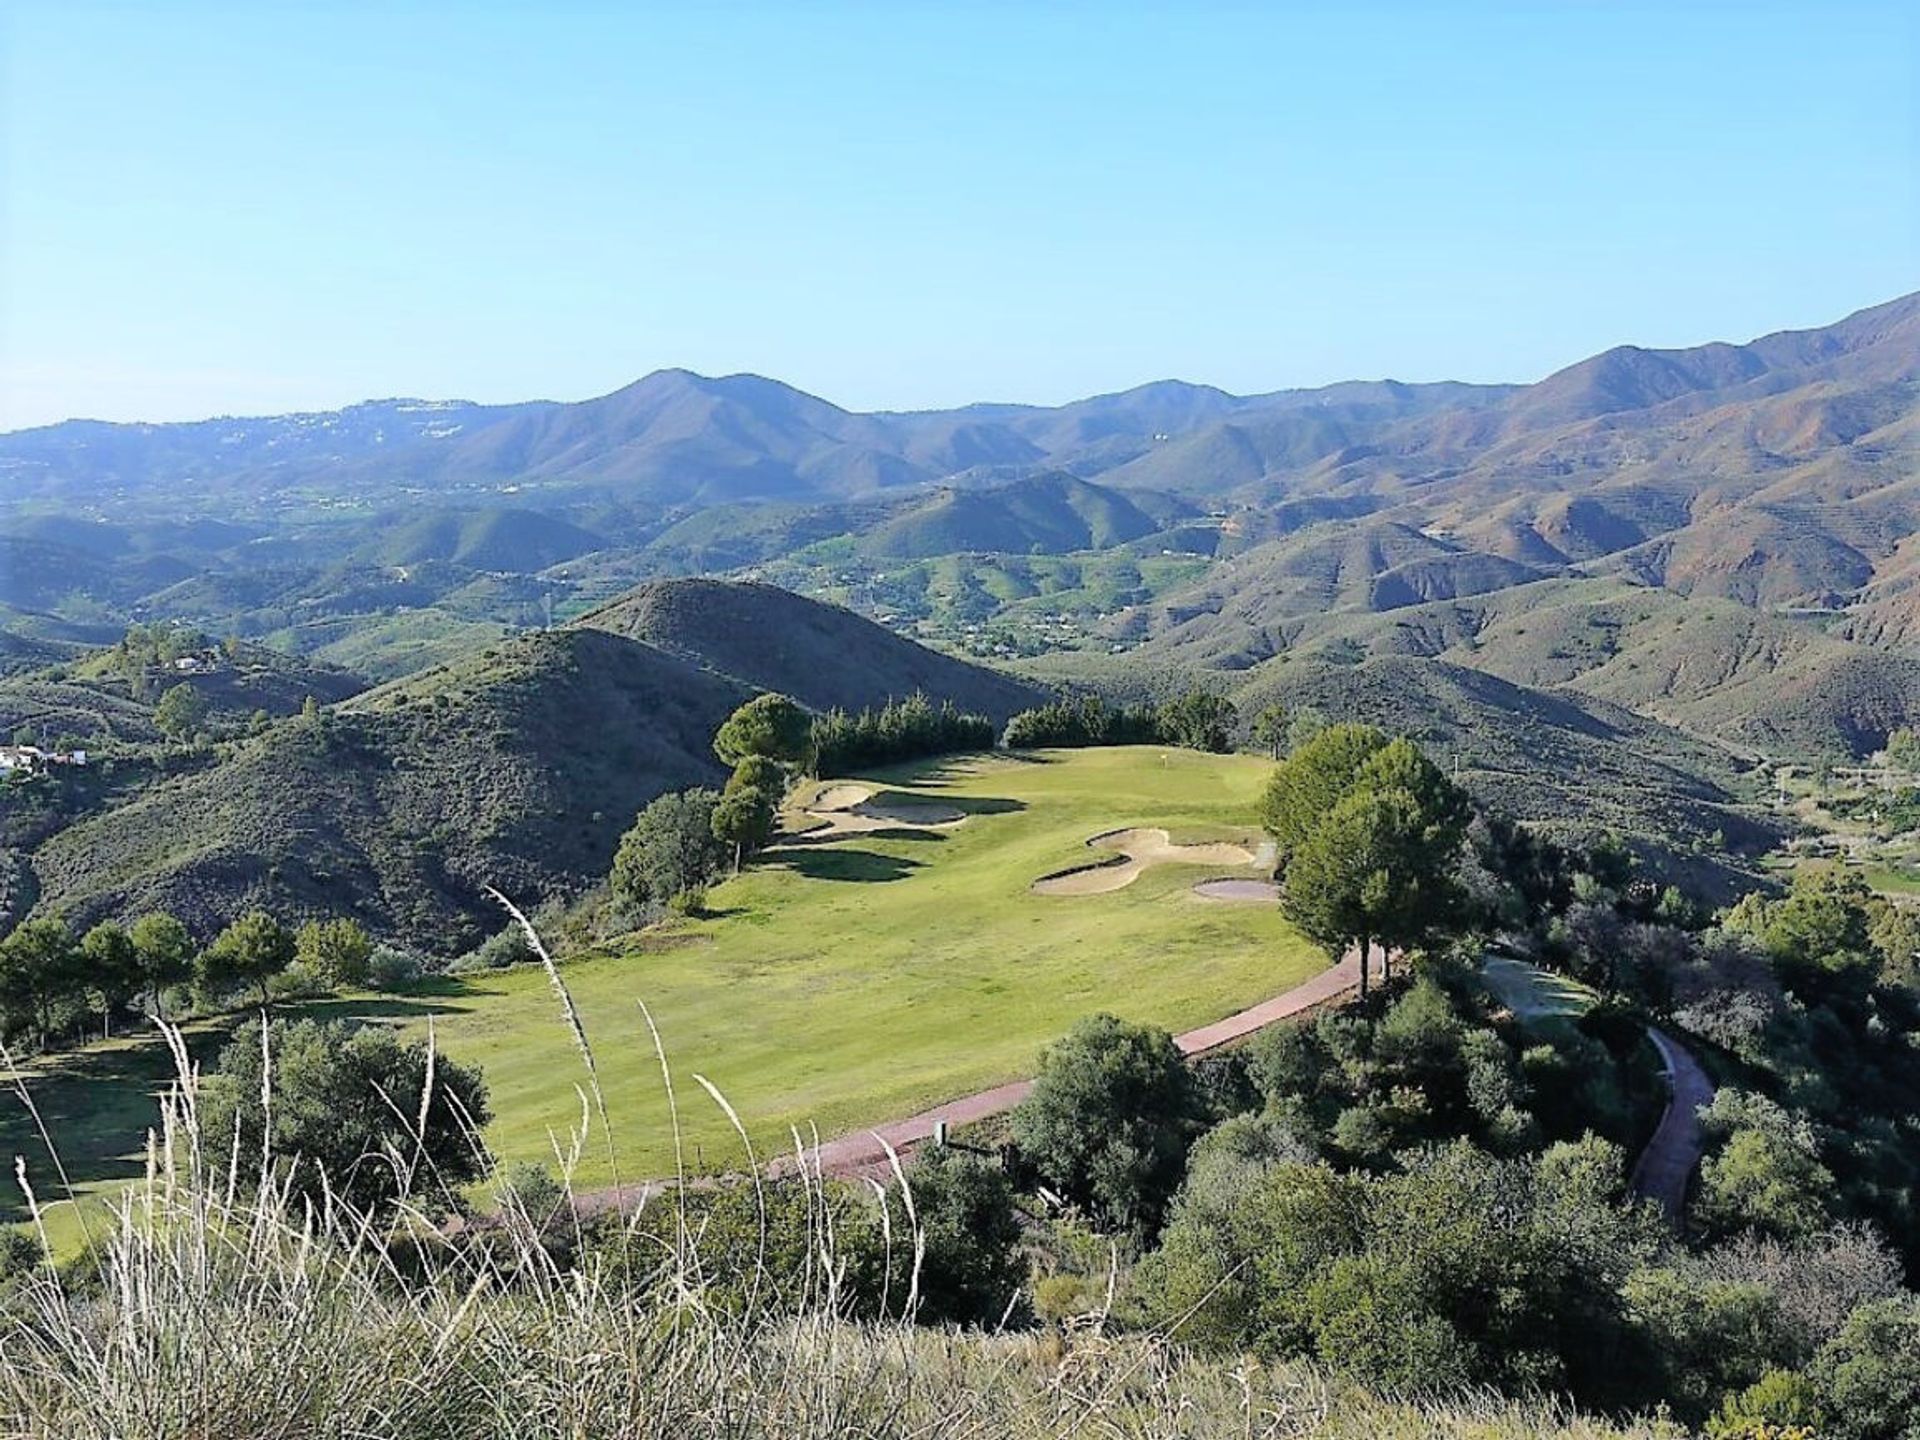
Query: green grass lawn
839,984
1534,994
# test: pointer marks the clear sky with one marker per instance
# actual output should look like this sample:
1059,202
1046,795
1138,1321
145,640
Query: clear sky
268,206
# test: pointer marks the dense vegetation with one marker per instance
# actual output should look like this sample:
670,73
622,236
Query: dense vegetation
909,729
58,988
1425,1191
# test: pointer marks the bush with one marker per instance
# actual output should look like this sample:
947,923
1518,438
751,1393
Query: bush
500,951
392,968
670,850
1109,1119
1868,1376
346,1118
974,1267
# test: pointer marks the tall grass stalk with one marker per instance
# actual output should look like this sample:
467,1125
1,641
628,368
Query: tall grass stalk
222,1307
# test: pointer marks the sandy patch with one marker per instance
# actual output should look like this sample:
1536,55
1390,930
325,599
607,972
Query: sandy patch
910,812
1137,849
855,810
840,797
1238,892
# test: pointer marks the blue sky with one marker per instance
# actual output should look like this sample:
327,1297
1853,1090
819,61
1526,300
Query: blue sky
252,208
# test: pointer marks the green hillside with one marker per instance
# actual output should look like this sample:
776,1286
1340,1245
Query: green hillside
1049,514
517,766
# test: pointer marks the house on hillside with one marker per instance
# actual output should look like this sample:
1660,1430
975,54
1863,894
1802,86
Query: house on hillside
202,662
32,760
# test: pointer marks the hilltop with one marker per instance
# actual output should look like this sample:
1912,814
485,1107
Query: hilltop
518,765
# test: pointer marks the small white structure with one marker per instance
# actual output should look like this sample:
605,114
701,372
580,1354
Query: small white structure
31,759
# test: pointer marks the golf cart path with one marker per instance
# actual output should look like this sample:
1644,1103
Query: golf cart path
1666,1165
865,1152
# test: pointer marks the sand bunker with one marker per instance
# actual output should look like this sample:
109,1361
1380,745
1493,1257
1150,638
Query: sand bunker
839,797
1238,892
855,810
1136,850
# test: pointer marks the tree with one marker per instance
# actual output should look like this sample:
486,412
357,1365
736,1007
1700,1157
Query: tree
336,951
1307,785
1198,720
1373,833
39,969
249,952
1764,1173
773,726
164,953
670,851
347,1105
744,817
111,968
1109,1119
1903,749
1270,729
181,712
1869,1374
974,1266
1369,873
1443,806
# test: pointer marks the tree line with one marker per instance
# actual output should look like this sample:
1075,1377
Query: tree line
58,987
1197,720
910,729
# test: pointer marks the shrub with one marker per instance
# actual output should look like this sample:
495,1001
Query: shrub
346,1113
974,1267
499,951
1868,1376
670,850
1109,1119
392,968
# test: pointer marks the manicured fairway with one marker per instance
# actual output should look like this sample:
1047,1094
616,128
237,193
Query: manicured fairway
842,982
848,982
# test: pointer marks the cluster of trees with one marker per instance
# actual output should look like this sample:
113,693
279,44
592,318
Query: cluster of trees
1370,835
1197,720
56,986
1425,1195
683,841
909,729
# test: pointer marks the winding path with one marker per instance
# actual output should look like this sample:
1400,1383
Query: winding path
1666,1166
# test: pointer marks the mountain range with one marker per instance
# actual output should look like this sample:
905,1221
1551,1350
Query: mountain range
1671,568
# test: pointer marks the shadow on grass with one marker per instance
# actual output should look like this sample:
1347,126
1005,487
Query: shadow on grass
99,1103
98,1106
865,866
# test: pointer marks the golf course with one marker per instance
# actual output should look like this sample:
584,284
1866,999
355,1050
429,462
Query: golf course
859,970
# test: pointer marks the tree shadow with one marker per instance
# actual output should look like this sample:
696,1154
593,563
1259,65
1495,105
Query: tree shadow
865,866
986,804
97,1105
426,997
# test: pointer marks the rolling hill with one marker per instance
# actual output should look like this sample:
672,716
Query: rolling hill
517,766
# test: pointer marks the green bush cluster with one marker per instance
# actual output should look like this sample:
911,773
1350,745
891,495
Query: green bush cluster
57,987
910,729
